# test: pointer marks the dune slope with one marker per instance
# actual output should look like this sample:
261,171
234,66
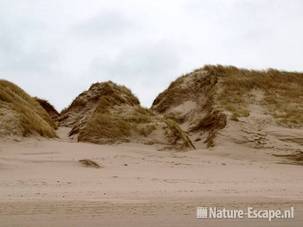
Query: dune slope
257,108
22,115
49,108
110,113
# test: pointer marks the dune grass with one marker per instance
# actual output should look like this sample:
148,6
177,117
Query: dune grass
105,126
32,118
179,134
114,121
172,96
106,94
212,122
89,163
49,108
283,92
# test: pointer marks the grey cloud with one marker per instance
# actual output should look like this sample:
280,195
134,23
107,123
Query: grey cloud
106,23
149,59
22,48
147,69
55,49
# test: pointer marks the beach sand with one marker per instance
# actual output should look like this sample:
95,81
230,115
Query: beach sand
42,183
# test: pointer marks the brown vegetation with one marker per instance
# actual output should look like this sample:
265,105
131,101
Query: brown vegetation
178,134
21,114
89,163
109,113
198,105
205,99
101,95
197,88
212,122
49,108
283,93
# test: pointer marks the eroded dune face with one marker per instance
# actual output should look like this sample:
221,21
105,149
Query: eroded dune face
109,113
216,105
190,101
21,115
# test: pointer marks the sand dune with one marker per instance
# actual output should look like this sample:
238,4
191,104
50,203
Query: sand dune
219,136
108,113
21,115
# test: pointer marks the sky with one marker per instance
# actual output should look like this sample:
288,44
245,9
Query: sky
57,49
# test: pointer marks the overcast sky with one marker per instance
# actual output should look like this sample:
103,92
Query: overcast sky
56,49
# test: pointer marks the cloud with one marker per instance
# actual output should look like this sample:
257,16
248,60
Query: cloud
105,24
146,69
56,49
22,48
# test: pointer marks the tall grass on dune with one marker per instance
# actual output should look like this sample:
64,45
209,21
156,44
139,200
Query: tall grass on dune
28,116
283,92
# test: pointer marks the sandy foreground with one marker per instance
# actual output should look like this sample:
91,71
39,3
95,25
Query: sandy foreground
43,184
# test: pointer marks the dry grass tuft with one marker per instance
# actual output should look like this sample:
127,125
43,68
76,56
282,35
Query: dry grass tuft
29,117
114,120
49,108
179,134
89,163
105,127
213,122
117,124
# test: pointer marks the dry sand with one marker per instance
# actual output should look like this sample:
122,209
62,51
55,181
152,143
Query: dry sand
43,184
